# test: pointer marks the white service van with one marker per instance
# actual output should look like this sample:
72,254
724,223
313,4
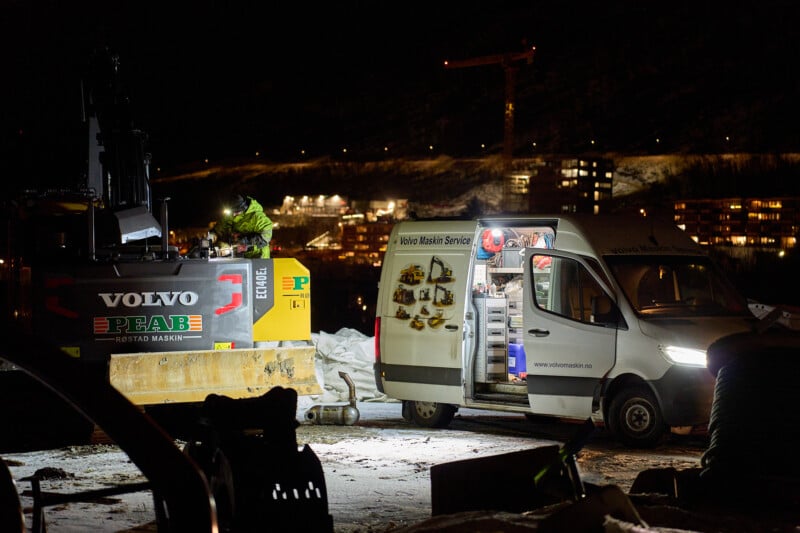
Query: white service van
564,316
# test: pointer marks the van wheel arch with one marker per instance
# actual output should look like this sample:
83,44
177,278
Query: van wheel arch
632,412
431,414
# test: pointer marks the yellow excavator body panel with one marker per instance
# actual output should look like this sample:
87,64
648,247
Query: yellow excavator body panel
289,317
174,377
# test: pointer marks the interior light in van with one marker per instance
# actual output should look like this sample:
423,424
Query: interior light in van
684,356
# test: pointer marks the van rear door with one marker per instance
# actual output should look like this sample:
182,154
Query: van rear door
570,332
423,297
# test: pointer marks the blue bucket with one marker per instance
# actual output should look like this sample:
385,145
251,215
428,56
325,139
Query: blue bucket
516,360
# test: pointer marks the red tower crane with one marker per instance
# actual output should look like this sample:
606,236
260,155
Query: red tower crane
508,61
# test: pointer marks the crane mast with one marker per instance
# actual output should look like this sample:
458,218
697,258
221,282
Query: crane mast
509,63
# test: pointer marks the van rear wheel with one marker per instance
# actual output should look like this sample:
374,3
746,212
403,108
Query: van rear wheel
432,414
636,419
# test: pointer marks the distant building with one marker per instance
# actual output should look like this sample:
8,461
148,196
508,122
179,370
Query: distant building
763,223
319,205
365,243
573,185
516,191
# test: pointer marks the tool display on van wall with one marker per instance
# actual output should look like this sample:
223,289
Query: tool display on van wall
437,278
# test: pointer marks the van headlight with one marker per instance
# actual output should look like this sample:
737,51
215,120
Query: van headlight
684,356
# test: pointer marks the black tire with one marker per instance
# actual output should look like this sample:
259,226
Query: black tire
636,419
432,414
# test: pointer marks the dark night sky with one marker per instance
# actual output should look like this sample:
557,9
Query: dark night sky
225,79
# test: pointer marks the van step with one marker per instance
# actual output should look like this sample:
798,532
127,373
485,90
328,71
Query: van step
503,387
510,388
504,398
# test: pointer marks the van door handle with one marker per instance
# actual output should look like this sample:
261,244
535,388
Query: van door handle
451,327
539,332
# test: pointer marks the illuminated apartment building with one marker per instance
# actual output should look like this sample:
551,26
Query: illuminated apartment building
763,223
579,185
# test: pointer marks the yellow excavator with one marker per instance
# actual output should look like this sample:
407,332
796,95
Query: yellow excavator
90,270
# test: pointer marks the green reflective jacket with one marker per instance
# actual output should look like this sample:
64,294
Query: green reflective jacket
253,227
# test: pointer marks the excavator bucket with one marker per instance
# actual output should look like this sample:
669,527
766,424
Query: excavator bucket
261,479
190,376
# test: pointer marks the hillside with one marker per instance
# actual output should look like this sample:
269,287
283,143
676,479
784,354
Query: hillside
445,186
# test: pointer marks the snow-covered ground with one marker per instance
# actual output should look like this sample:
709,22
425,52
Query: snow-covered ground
377,471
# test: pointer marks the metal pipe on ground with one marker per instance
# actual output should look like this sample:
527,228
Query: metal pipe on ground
342,415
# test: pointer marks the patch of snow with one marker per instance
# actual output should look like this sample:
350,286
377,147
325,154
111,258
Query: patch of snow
350,351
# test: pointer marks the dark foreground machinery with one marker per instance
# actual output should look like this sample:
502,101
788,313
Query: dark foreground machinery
241,471
260,481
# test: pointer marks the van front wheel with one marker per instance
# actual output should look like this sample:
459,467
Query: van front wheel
636,419
432,414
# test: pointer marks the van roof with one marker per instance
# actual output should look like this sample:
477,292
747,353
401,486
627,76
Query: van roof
625,235
593,235
609,234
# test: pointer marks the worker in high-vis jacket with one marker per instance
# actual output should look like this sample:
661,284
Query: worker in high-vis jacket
245,227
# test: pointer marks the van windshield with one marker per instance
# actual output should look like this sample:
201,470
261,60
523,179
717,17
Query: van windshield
675,286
